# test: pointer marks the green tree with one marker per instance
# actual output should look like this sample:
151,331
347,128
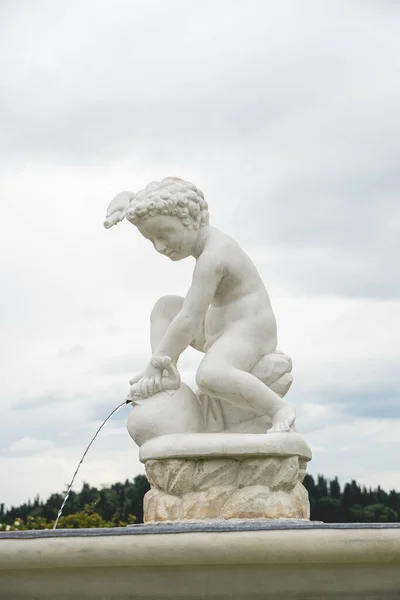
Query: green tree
334,489
379,513
322,487
122,503
327,510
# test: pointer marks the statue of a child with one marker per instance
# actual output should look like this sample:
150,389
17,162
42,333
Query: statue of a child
226,313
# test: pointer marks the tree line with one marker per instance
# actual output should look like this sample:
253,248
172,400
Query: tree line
117,505
122,503
352,503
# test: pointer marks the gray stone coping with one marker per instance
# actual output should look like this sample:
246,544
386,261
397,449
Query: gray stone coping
250,560
234,525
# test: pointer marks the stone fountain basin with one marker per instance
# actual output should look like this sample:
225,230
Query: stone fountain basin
254,560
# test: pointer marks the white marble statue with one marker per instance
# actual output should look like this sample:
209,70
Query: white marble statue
226,314
228,450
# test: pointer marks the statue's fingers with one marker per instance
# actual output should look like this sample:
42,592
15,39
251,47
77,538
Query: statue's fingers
166,361
157,384
168,365
148,385
136,378
173,379
134,391
157,362
143,387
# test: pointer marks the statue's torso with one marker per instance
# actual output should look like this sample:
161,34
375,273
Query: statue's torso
241,301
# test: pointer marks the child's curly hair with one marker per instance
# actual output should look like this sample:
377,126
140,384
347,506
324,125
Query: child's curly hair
173,197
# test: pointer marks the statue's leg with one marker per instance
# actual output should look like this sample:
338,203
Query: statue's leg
223,373
163,313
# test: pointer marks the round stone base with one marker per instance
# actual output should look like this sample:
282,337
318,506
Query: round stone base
260,481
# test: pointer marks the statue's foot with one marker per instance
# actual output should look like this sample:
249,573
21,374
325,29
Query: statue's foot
283,421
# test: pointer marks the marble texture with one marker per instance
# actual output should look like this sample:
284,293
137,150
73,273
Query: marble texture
221,446
226,315
227,449
164,413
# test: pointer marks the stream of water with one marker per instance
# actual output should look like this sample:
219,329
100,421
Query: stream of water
82,459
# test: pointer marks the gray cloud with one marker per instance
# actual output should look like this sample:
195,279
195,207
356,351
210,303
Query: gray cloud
380,402
61,418
362,273
155,76
126,364
291,113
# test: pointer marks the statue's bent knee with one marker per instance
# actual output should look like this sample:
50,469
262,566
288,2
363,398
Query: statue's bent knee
167,307
207,377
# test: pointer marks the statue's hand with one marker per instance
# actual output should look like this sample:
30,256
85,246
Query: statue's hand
152,381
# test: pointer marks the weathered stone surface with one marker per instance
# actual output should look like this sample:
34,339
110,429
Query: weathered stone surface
300,492
302,469
225,488
206,504
149,505
283,505
159,506
157,474
215,472
257,471
247,503
172,476
287,474
276,473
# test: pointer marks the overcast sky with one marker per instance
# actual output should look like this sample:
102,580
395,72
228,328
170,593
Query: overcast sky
286,115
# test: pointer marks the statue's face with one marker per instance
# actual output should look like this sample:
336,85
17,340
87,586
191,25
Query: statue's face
169,236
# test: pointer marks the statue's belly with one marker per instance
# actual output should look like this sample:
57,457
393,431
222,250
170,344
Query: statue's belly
216,322
255,323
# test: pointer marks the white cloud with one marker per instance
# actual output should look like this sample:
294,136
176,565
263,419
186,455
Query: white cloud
113,458
358,448
29,446
388,480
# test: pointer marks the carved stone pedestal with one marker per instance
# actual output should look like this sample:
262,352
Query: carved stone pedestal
225,476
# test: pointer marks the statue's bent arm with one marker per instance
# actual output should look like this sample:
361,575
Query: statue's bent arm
206,278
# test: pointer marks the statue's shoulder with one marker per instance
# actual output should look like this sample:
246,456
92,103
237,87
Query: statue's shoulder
214,256
219,242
